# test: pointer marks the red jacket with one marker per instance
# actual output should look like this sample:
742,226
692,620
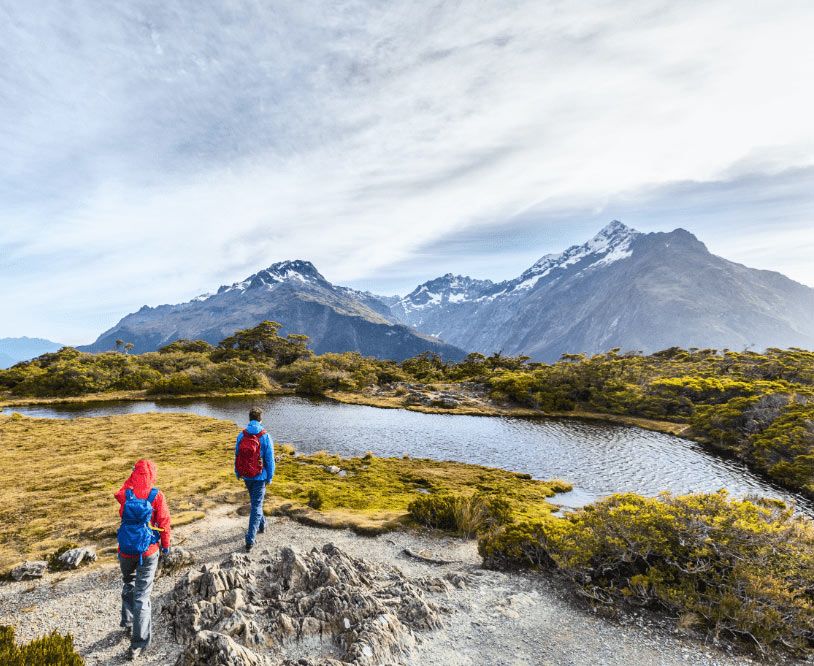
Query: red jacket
142,480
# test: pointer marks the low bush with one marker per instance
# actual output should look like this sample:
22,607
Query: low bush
742,567
465,515
51,650
314,499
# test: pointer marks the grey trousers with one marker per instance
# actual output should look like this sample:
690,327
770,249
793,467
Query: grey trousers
136,607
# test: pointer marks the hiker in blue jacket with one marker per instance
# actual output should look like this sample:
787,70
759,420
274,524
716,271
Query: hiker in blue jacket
254,463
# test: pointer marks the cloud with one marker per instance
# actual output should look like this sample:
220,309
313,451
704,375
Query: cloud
761,220
152,152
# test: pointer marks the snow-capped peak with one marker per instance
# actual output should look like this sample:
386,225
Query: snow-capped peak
448,288
611,244
295,270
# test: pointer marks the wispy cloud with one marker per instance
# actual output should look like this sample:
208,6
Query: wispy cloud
150,152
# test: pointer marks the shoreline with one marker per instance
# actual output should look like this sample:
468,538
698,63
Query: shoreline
381,402
666,427
133,396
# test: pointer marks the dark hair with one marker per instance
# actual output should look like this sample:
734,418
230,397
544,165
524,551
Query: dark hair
255,414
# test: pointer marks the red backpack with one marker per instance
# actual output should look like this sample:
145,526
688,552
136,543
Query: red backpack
249,463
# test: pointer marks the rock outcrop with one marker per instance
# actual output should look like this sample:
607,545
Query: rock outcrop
323,607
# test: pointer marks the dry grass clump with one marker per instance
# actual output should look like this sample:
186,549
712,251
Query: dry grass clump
57,478
51,650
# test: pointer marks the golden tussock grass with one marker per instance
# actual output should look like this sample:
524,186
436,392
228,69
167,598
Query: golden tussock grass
57,479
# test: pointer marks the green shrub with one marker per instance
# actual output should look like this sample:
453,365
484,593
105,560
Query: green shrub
51,650
742,567
311,383
314,499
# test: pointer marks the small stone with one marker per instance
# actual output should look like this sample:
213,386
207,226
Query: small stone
332,469
29,570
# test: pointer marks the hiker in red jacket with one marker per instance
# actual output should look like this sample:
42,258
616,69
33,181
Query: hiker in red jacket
145,529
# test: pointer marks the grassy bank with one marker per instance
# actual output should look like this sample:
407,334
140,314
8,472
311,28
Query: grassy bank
7,400
493,409
57,479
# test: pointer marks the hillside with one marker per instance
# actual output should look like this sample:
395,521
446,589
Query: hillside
14,350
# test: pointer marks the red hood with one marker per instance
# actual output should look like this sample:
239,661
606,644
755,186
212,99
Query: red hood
141,480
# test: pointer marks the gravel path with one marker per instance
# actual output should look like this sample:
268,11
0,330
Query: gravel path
498,619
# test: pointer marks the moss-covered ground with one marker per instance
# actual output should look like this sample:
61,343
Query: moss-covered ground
57,479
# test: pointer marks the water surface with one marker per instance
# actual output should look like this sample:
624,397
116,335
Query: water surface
599,459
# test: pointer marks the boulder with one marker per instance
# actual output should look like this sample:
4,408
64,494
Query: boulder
175,560
76,557
332,469
29,570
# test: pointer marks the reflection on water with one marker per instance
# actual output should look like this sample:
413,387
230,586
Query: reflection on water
598,459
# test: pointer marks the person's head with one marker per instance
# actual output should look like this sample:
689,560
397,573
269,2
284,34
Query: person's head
255,414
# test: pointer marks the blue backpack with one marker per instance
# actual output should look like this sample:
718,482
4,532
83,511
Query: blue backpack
136,534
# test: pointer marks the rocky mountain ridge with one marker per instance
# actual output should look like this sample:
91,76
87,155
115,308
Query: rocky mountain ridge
637,291
295,293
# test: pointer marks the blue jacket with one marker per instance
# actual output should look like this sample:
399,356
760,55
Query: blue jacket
266,453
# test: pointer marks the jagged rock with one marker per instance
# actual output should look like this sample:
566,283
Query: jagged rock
175,560
209,648
29,570
76,557
361,612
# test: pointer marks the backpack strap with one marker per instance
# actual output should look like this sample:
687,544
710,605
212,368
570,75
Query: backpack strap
260,434
129,494
151,497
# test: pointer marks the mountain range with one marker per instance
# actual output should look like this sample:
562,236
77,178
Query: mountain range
293,293
622,288
14,350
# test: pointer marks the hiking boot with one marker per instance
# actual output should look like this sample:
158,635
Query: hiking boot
128,630
134,654
249,547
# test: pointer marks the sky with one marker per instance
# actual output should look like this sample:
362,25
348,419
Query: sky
152,151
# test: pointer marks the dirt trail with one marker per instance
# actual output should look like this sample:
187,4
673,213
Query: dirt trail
497,619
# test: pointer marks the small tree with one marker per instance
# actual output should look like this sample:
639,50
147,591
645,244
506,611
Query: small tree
119,344
263,340
128,347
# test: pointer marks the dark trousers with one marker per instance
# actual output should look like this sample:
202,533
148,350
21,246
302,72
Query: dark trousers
257,493
136,607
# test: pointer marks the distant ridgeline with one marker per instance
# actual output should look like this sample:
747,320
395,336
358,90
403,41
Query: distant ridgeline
14,350
622,288
335,319
758,407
